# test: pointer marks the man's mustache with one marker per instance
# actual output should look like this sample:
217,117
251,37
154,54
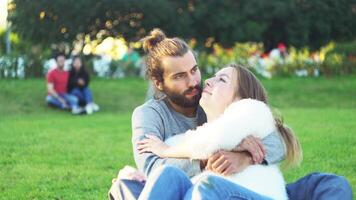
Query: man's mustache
197,87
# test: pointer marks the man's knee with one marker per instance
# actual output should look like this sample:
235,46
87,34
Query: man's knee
168,179
206,183
331,179
323,185
169,171
208,187
48,98
72,99
335,181
52,102
125,189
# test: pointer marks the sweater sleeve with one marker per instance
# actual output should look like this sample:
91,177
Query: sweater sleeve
275,148
242,118
146,120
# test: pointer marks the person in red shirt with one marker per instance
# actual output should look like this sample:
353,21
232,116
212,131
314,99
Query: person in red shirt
57,80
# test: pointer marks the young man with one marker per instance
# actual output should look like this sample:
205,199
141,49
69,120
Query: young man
173,69
57,80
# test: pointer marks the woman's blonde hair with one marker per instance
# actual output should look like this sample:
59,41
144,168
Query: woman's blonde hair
248,86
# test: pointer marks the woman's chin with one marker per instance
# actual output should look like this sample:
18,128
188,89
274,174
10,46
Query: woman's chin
203,103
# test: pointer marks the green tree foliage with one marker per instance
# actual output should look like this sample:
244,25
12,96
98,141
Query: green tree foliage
295,22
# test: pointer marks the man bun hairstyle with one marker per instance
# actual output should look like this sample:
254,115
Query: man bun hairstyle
157,46
151,41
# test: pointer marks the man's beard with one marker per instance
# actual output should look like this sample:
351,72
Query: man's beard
181,100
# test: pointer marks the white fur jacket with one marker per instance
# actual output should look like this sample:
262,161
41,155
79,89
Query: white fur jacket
240,119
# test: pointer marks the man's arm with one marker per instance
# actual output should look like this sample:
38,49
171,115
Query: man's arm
275,148
146,120
51,91
227,163
50,88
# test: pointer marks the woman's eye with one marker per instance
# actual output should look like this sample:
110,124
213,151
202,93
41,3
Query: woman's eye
221,79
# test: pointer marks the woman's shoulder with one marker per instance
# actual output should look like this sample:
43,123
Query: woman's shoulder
250,110
254,115
250,105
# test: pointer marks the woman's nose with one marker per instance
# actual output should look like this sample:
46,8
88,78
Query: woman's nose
208,82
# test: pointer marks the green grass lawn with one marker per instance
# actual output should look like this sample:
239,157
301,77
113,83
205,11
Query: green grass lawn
50,154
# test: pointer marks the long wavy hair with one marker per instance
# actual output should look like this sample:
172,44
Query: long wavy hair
248,86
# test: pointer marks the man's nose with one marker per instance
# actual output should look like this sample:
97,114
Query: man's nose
193,81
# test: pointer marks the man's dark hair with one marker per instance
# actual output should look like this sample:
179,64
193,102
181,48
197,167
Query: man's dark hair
60,54
157,46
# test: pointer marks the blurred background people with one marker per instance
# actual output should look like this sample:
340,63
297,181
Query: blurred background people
78,85
57,80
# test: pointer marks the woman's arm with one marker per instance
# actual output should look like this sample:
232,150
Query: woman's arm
155,145
86,77
241,119
71,81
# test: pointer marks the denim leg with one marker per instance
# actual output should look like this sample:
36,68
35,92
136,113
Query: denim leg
71,100
124,189
166,183
50,100
212,187
78,93
319,186
53,102
88,97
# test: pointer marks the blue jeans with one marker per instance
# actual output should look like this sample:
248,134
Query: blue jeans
320,186
71,100
84,95
172,183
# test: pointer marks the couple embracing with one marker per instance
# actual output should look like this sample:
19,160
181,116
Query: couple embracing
217,142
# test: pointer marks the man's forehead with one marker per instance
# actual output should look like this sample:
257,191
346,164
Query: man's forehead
177,64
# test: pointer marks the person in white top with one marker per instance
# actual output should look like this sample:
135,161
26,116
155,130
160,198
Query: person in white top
236,106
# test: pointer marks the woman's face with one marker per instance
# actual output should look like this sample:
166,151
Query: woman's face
77,63
219,91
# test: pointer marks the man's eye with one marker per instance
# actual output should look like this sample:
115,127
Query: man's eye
194,69
178,76
221,79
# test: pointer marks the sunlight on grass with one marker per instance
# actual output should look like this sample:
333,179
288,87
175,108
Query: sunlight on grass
50,154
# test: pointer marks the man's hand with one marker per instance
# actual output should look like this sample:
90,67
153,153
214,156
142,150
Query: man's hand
203,164
63,102
227,163
254,146
130,173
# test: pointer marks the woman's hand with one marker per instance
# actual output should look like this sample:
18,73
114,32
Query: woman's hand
81,82
152,144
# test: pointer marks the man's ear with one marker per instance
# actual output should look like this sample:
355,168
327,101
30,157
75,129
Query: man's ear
158,84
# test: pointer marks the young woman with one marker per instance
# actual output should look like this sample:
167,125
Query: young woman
236,106
78,85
